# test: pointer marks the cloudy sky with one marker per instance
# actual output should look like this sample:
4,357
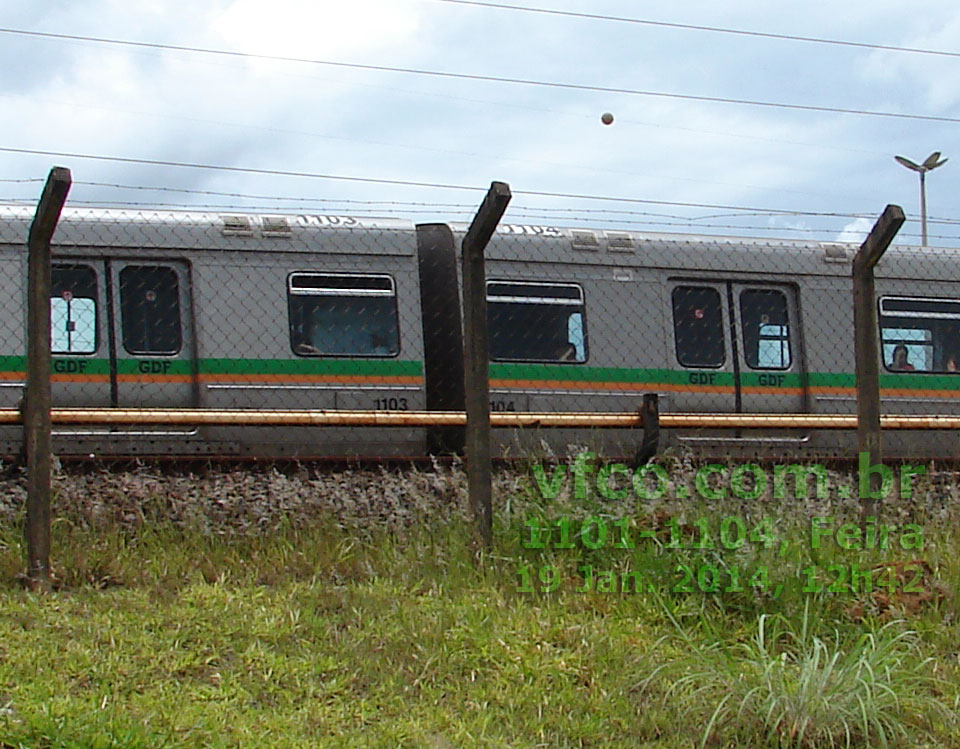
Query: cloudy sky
770,171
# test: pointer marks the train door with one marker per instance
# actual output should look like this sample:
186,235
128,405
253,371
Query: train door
737,347
771,377
702,352
153,333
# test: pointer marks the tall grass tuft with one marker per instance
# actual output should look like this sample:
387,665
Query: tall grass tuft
789,687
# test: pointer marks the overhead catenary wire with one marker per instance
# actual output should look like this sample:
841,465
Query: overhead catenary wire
433,204
465,206
435,94
287,198
711,29
386,144
397,182
480,77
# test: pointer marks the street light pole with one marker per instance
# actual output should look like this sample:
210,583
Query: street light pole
923,207
929,164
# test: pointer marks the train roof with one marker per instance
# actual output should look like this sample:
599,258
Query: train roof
695,252
204,218
226,230
305,232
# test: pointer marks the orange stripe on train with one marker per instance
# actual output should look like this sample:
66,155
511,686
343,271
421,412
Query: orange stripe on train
346,379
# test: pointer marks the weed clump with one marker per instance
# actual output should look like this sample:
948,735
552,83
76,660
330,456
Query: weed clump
790,687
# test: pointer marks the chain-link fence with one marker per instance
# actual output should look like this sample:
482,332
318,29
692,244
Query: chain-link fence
221,311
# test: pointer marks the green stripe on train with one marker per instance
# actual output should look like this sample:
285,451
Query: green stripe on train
499,371
901,381
621,375
579,373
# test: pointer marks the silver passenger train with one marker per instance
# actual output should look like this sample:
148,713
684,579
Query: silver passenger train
335,312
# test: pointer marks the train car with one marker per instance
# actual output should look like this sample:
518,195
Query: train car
222,311
584,320
309,311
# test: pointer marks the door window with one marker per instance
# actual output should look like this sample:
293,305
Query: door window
73,309
766,329
150,310
698,326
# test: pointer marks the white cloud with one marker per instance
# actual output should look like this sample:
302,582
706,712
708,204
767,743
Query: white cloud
311,29
171,105
918,81
856,231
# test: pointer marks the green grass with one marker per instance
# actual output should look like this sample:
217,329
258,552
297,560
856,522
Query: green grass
373,659
318,630
795,689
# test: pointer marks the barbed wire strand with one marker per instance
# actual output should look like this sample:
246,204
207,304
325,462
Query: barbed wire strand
396,182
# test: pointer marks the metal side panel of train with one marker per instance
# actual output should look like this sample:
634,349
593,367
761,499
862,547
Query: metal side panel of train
182,310
589,321
239,311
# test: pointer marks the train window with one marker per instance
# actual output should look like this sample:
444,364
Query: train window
766,329
150,310
73,309
698,326
343,314
920,334
531,321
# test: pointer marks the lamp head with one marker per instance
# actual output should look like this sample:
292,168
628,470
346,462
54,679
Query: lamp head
910,164
933,161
